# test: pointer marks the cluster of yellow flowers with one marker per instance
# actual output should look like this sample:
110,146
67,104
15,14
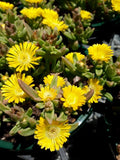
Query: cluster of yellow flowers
22,57
57,94
6,6
50,17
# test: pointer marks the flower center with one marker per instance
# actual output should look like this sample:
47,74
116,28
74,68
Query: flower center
52,132
19,92
72,99
24,58
47,95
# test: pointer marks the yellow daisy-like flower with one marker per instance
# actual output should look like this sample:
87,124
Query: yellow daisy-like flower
79,56
31,12
50,14
51,136
34,1
11,89
100,52
6,5
22,56
55,23
47,94
73,97
116,5
86,15
51,19
95,85
60,81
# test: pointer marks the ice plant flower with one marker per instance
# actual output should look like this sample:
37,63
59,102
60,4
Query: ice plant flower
116,5
79,56
73,97
60,81
22,56
36,12
34,1
50,14
6,5
47,94
55,23
94,84
100,52
51,19
85,15
51,136
11,89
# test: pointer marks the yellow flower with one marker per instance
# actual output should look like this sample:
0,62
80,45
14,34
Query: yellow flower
73,97
50,14
34,1
86,15
11,89
6,6
116,5
47,94
94,84
51,136
79,56
31,12
60,81
100,52
55,23
22,56
50,18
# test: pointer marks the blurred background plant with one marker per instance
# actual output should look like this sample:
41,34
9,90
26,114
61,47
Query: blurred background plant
101,9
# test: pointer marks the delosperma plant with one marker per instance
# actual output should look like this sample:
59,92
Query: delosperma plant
46,81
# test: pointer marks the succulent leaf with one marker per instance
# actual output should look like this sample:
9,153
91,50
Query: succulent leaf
29,90
26,132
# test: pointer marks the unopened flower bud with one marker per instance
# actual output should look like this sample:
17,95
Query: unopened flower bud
118,72
24,123
48,104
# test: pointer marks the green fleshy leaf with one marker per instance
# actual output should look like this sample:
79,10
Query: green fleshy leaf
116,79
4,108
32,123
88,75
40,105
110,71
26,132
29,90
15,129
75,58
69,64
59,40
69,35
98,72
54,81
73,126
29,112
28,30
110,83
49,116
108,96
62,117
